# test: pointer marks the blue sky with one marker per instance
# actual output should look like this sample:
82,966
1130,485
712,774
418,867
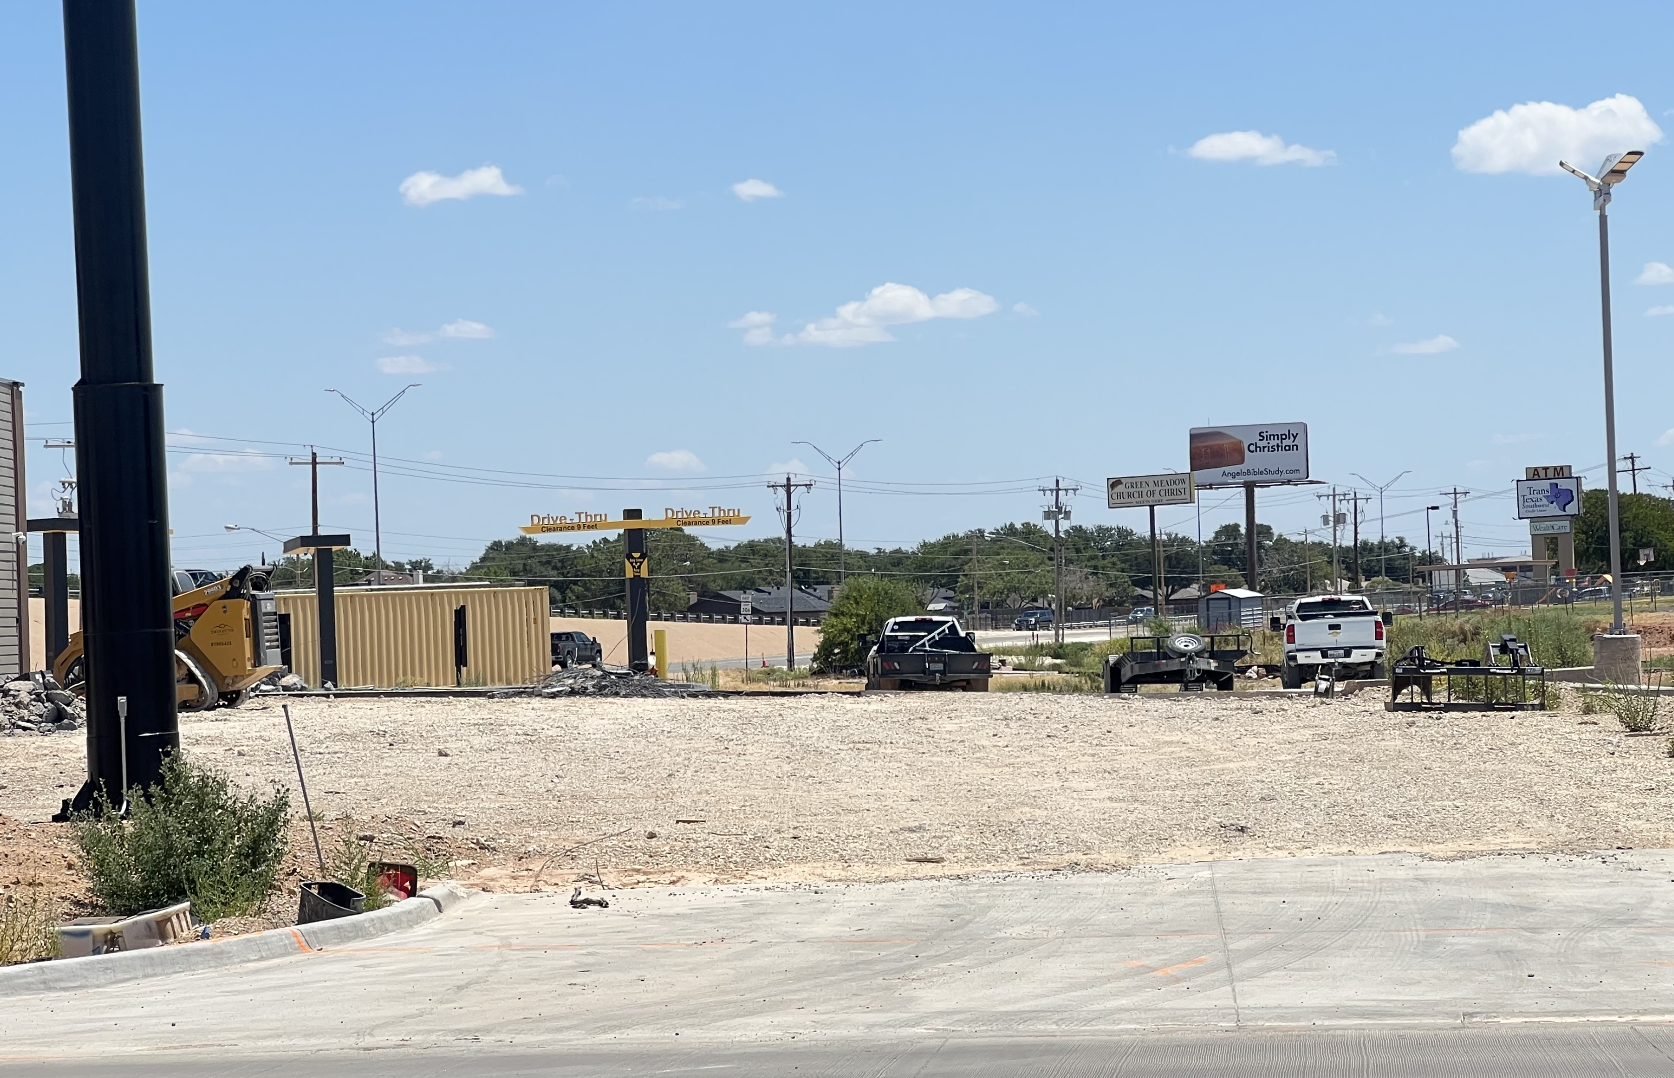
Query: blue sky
1077,286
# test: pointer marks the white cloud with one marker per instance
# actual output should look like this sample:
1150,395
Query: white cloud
1441,342
752,189
1380,319
1654,312
1667,438
407,365
1259,148
865,321
465,329
1533,136
1024,309
1655,273
676,460
657,202
423,188
793,466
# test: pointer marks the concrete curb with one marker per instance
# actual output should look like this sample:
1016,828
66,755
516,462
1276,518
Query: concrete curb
95,971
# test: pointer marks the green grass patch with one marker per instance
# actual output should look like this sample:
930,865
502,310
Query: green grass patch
1555,637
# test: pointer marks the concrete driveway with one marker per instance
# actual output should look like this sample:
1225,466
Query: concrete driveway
1539,958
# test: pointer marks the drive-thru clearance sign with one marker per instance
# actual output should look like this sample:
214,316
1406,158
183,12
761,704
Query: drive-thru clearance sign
547,524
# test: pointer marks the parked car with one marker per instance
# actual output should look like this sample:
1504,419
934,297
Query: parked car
575,649
1140,614
1033,621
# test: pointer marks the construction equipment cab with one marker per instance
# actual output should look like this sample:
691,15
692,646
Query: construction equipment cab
1339,635
226,638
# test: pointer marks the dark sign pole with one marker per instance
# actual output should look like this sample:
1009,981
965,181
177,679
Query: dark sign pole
638,573
126,602
325,596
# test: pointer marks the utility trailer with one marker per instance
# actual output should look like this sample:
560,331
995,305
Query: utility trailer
1188,660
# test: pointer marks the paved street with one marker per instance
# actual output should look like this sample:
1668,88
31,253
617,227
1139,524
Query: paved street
1404,959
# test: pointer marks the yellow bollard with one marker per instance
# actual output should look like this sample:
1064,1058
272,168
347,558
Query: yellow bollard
659,644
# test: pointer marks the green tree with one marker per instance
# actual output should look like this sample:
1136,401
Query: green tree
860,609
1646,521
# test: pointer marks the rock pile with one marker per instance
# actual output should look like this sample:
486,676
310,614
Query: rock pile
29,708
604,681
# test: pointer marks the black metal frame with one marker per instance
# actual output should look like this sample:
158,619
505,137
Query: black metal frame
1154,664
1415,675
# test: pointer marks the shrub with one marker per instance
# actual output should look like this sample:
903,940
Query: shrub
1555,637
26,934
1635,710
861,607
351,865
191,836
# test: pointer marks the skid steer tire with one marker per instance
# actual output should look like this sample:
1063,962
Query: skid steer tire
207,697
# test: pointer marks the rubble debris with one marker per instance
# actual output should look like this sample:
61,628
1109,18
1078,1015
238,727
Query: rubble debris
277,682
602,680
579,903
39,706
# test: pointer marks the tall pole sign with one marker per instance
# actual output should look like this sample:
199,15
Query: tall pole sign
1150,491
636,569
1257,455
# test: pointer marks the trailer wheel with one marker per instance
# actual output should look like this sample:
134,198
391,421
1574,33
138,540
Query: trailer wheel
977,685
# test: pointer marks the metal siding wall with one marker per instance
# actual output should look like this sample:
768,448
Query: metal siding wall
390,636
14,573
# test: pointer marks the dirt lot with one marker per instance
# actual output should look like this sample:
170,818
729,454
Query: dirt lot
540,794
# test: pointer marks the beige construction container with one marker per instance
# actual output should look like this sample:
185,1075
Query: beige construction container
403,636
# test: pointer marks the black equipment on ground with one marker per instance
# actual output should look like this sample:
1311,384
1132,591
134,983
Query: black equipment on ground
1190,660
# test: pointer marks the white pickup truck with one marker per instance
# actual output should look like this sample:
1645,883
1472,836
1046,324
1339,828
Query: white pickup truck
1322,631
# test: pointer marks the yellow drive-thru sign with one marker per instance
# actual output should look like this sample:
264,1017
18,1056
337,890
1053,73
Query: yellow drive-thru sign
547,523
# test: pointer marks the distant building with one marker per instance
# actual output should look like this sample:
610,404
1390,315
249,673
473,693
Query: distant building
766,604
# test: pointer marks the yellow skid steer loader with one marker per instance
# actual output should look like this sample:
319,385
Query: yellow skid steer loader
226,639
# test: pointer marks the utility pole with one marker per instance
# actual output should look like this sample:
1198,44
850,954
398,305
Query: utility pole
1307,564
1333,520
789,513
1057,513
1458,546
1634,468
976,592
313,464
373,416
1359,578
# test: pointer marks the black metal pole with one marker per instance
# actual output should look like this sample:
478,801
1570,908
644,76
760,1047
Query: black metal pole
126,601
639,612
55,561
325,597
1252,570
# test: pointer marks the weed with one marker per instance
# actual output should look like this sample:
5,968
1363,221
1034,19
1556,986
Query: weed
1555,637
1061,683
351,865
1636,709
26,921
191,836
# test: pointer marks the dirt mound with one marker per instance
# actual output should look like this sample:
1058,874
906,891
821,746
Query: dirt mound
604,680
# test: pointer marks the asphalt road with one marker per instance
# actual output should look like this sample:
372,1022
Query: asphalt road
1513,965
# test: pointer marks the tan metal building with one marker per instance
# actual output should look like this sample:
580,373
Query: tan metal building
403,636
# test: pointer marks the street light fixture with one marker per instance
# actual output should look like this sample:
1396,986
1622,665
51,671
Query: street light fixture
842,566
258,531
373,416
1612,172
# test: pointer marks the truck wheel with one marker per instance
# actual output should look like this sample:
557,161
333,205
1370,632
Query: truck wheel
1380,671
1290,676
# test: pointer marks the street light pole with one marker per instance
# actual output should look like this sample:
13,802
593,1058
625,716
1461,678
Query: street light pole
1383,551
842,567
1612,172
377,523
1428,509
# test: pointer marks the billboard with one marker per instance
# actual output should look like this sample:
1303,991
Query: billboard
1263,453
1173,488
1538,498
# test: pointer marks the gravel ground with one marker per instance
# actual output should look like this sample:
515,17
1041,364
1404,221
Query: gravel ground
521,793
